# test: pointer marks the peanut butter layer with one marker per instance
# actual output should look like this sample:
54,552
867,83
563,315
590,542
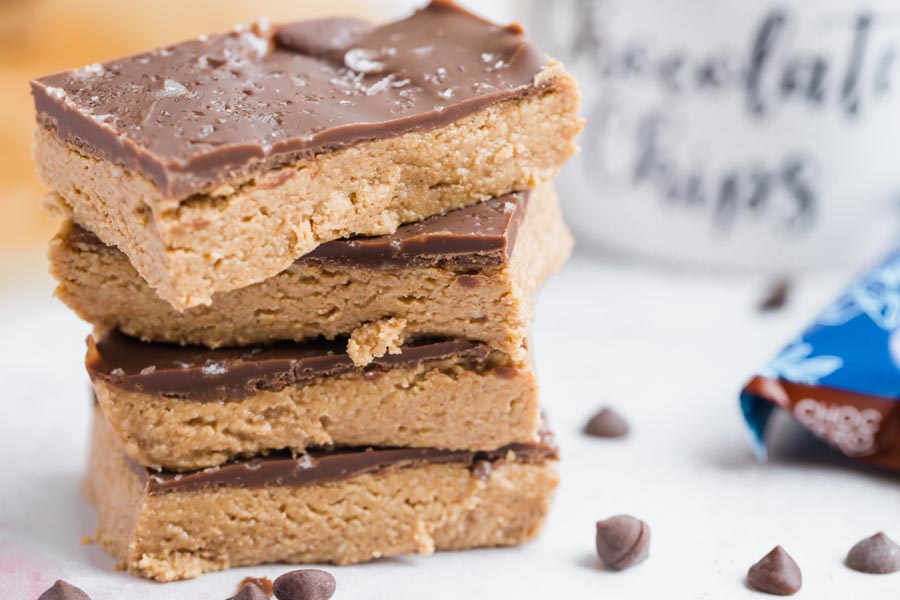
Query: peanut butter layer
215,163
183,408
432,501
471,274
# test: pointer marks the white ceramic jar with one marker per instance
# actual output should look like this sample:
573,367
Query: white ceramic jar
755,134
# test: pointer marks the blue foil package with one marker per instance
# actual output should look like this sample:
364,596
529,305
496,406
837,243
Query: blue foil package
841,377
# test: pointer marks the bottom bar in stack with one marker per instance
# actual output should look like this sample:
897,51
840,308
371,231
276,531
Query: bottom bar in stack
337,506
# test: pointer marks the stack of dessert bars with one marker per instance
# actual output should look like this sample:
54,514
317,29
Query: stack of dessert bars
310,253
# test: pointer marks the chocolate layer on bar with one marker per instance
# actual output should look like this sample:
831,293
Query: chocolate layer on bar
232,373
480,235
334,465
475,236
211,110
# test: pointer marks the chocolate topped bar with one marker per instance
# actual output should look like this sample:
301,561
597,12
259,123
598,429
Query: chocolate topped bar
209,110
216,163
340,506
232,373
474,236
323,466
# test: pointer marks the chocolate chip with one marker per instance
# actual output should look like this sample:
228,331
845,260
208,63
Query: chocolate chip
623,541
776,573
776,295
263,583
607,424
251,591
304,584
877,554
63,591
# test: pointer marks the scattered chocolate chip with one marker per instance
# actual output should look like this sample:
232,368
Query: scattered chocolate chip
263,583
776,573
251,591
776,295
63,591
304,584
623,541
607,424
877,554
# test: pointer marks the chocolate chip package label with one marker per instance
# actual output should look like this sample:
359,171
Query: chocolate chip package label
841,377
764,140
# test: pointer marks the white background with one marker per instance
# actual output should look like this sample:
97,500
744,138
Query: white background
670,350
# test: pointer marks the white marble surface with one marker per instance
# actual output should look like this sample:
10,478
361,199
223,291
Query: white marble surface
670,350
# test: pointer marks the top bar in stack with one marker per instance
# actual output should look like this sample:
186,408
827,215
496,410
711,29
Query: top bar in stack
215,163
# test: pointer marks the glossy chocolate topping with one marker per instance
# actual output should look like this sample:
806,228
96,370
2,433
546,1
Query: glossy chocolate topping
331,465
200,374
480,235
213,109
